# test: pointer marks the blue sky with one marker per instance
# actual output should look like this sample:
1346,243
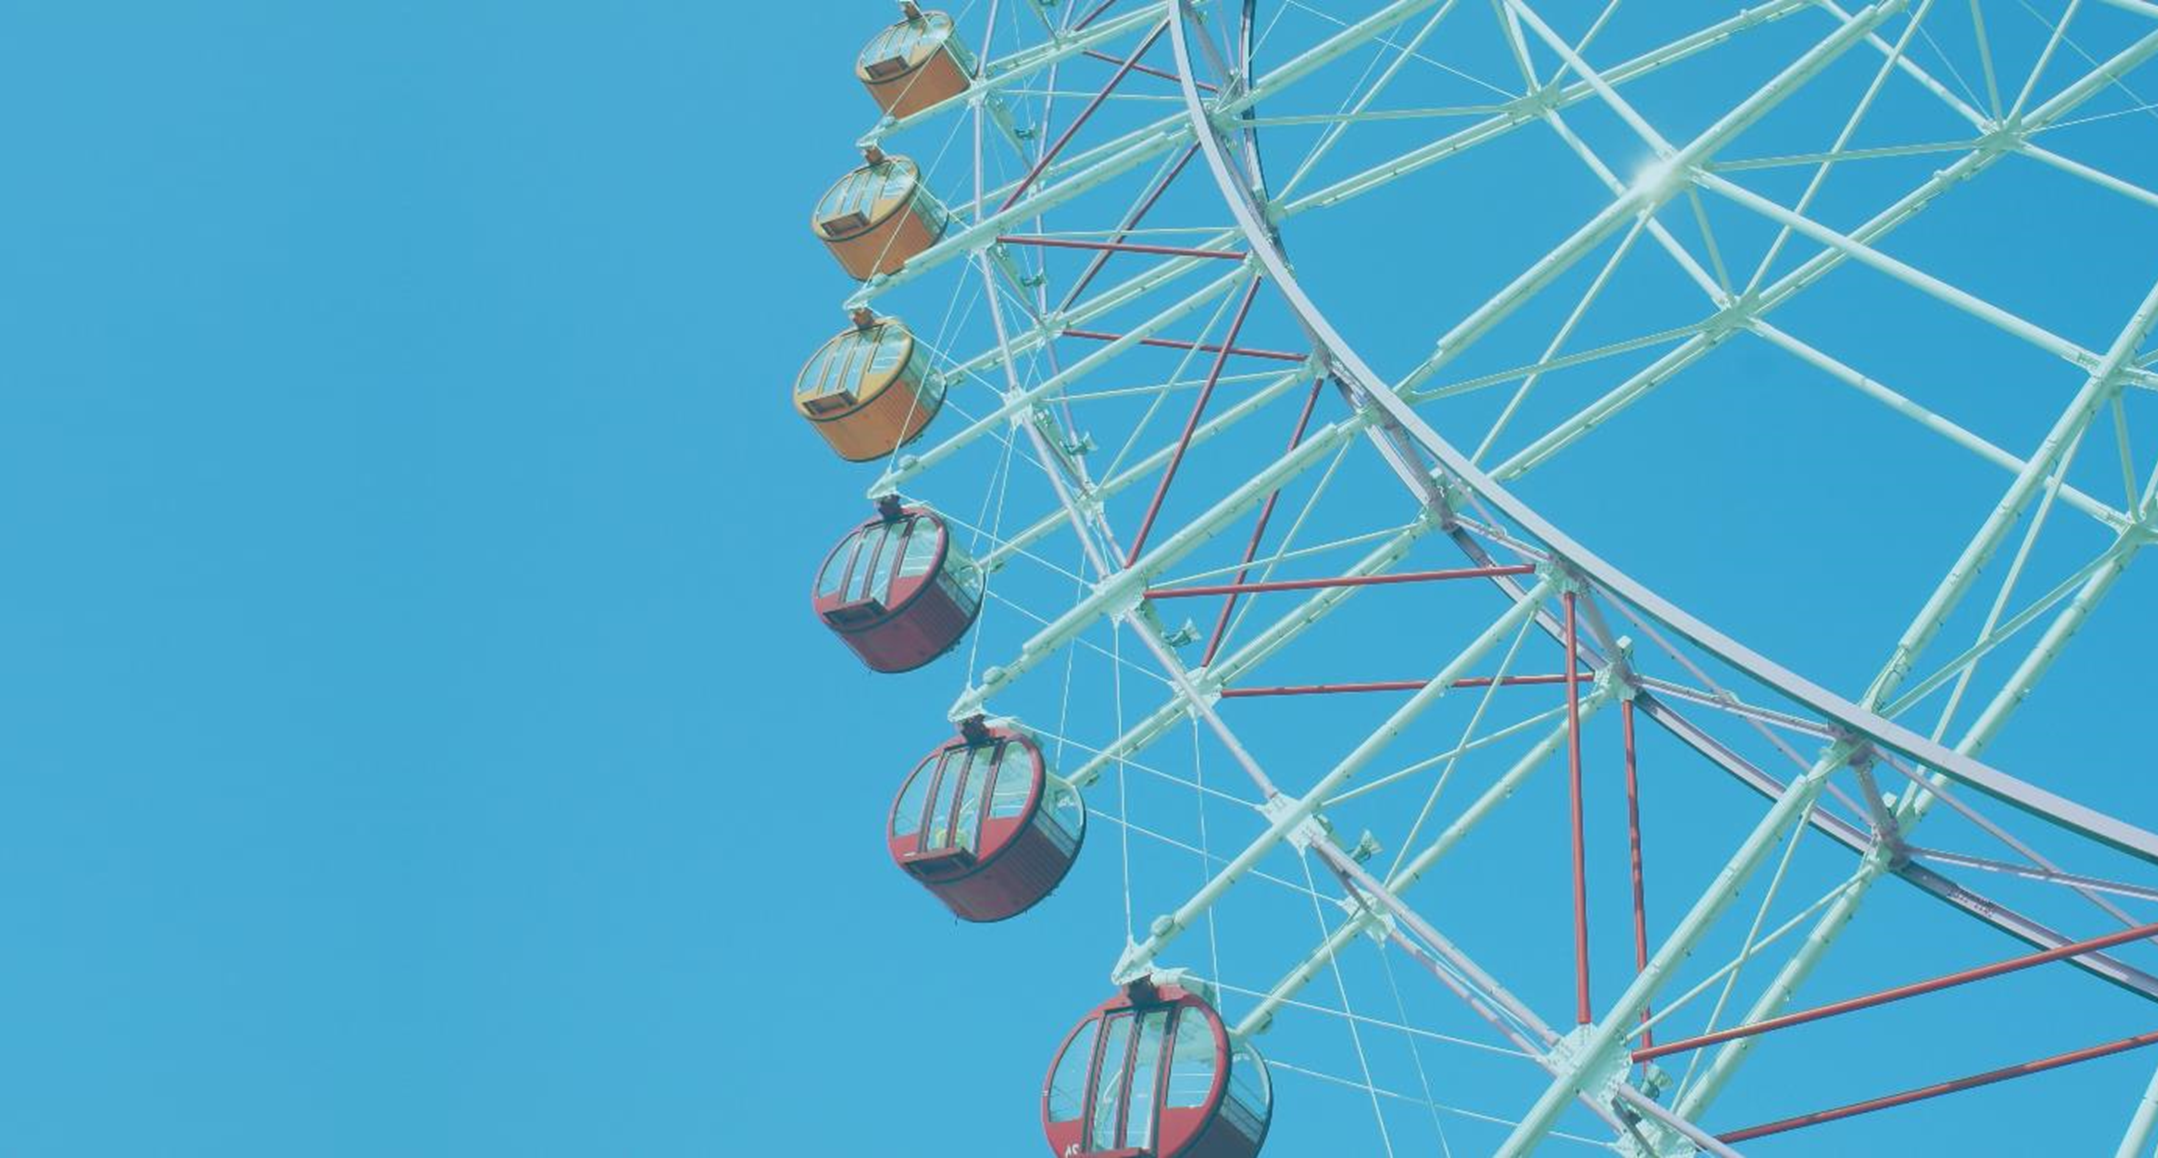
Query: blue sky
415,739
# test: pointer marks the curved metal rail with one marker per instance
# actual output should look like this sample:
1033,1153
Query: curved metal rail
1346,364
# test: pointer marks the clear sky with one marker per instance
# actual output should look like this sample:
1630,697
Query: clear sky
413,740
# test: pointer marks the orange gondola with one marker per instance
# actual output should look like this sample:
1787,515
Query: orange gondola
915,63
876,217
869,390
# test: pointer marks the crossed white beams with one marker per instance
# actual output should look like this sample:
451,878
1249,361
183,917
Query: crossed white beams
1137,147
1796,800
1100,164
1747,313
2105,376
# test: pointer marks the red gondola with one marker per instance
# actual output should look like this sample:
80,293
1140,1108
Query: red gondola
1152,1073
898,590
983,825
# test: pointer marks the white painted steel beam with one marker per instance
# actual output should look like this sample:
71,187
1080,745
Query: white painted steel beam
1857,720
1805,694
1165,929
1122,590
1990,721
1605,1044
1931,420
1645,195
2143,1126
1145,468
1909,275
1005,72
1018,400
1243,660
2085,407
1401,881
1529,108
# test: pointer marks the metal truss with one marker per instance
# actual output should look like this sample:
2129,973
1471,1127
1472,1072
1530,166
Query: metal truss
1548,583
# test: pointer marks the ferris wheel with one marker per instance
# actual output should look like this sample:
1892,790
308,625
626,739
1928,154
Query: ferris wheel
1267,639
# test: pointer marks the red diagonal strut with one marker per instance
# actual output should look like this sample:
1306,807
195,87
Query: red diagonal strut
1633,840
1090,17
1582,1013
1117,247
1387,686
1174,344
1915,989
1100,98
1191,424
1258,532
1138,214
2089,1053
1098,55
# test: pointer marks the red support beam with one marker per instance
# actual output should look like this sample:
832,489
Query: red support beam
1386,686
1915,989
1258,531
1091,17
1174,344
1098,55
1117,247
1582,1013
1138,214
1633,841
1100,98
1340,581
1905,1098
1191,424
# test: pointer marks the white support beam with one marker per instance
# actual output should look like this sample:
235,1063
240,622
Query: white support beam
1298,813
1262,647
1910,275
1604,1046
1819,265
1145,468
1800,966
2143,1127
1004,73
2085,407
1652,190
1017,401
1903,405
2098,177
1401,881
1115,594
1904,64
1144,145
1529,108
1325,52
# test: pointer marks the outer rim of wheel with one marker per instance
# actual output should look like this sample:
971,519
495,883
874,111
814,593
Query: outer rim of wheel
1344,361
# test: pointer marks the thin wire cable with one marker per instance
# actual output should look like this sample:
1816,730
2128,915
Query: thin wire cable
1416,1053
1457,1111
1768,898
1468,733
1341,986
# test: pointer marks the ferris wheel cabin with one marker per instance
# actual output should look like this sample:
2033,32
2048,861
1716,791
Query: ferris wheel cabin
869,390
878,216
898,590
914,63
1153,1073
983,825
